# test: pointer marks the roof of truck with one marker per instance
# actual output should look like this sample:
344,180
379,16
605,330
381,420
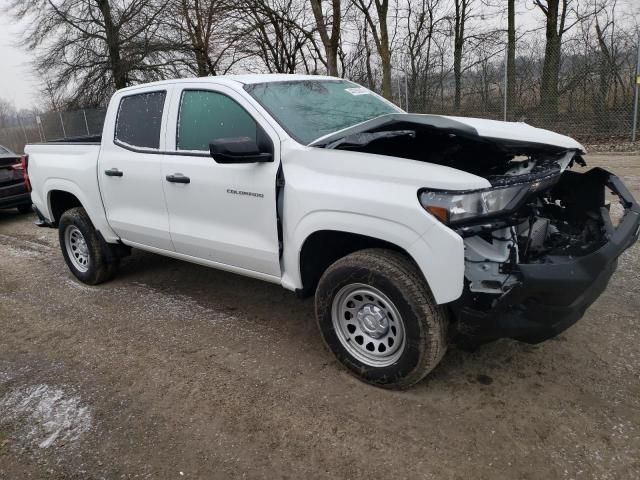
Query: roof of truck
242,79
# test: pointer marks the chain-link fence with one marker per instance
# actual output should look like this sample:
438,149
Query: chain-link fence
593,102
34,128
591,98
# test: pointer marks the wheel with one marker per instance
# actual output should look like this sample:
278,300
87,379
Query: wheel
88,256
377,315
24,208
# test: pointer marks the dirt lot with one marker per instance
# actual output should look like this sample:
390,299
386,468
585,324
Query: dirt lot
178,371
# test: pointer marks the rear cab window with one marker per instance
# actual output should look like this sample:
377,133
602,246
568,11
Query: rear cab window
139,120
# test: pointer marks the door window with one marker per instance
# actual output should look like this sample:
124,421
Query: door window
139,120
206,116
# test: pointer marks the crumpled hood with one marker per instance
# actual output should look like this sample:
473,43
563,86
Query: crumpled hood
505,132
518,131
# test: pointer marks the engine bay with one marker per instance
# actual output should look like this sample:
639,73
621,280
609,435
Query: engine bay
562,222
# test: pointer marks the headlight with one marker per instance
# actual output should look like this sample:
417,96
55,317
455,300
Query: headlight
454,207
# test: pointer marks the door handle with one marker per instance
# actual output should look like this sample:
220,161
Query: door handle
178,178
113,172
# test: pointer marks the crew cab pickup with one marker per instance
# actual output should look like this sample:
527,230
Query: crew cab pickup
413,231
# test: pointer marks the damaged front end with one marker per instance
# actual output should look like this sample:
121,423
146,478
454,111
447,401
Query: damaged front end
540,244
539,258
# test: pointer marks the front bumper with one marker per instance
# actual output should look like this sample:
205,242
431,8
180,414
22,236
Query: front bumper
554,295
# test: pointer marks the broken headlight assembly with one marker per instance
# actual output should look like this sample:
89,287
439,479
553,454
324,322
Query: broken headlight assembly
457,207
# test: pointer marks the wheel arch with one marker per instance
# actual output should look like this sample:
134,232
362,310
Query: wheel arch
438,251
323,247
59,201
62,195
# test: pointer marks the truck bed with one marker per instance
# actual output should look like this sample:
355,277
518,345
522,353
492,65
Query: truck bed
69,165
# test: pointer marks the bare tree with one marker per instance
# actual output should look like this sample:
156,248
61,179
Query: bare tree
423,27
198,22
511,56
358,57
557,24
330,40
280,33
379,29
7,113
88,48
201,37
462,14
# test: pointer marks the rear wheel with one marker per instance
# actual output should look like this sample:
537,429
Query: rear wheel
88,257
377,315
24,208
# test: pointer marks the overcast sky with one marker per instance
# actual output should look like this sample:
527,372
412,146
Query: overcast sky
19,85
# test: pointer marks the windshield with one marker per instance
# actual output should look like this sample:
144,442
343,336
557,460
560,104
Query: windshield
310,109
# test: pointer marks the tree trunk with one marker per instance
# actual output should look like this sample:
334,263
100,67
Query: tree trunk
381,39
370,82
551,66
458,45
385,58
511,59
606,64
331,42
118,70
384,49
457,74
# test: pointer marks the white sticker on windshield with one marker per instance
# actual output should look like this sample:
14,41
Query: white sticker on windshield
357,91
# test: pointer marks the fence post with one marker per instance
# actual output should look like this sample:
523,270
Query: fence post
506,82
43,137
635,95
24,132
64,133
406,91
86,124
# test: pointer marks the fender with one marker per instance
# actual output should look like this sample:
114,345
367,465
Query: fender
94,211
438,252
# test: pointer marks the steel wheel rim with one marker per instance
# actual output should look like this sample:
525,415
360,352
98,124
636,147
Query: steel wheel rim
368,325
77,248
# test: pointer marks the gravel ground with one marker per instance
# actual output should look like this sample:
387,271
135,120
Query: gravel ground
178,371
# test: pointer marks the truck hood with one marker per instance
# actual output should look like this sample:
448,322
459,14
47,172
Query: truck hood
500,152
505,133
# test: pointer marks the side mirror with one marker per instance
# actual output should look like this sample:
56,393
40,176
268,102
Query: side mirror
238,150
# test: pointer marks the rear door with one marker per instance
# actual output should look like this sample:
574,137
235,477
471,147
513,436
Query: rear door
130,168
226,213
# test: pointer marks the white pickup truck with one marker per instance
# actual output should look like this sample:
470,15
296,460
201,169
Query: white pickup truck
413,231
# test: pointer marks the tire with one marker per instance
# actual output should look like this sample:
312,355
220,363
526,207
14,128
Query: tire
88,256
24,209
382,297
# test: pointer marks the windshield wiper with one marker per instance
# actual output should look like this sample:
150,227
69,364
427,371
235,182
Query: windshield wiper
364,139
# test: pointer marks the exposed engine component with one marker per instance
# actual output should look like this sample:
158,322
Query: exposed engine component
556,222
485,258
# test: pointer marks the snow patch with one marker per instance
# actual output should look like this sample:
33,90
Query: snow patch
19,252
75,284
45,415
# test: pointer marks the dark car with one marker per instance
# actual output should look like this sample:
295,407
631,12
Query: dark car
14,188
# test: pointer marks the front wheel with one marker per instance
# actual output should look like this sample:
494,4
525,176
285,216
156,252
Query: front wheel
88,256
377,315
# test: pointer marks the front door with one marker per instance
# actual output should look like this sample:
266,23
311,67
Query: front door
225,213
